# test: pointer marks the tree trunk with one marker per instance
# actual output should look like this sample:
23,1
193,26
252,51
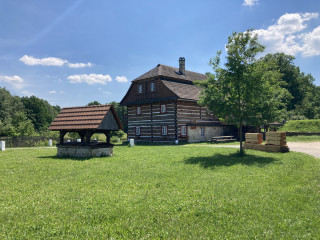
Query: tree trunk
240,133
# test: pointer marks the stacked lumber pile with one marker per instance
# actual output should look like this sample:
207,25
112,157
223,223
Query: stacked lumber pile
255,138
275,142
254,141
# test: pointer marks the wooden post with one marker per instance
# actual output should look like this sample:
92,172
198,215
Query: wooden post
62,134
107,133
81,134
88,136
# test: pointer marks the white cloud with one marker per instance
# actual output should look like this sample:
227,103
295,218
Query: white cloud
286,35
27,93
249,2
121,79
15,80
90,79
312,42
52,92
51,61
79,65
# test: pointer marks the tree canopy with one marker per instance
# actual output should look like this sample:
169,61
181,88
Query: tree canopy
24,116
305,96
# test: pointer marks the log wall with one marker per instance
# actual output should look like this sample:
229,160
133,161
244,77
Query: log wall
151,121
178,114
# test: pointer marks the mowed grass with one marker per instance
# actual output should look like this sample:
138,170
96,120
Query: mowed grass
303,138
153,192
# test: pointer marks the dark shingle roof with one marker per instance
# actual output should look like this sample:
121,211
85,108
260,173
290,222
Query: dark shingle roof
78,118
171,72
182,90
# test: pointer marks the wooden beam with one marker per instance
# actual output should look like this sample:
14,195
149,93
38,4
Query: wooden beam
62,134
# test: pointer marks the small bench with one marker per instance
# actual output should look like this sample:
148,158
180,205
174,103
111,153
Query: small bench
223,139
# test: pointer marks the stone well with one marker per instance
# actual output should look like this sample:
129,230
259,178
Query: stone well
81,150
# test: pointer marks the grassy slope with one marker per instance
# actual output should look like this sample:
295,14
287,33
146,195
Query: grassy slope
159,192
302,126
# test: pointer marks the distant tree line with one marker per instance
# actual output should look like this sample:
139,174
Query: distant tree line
25,116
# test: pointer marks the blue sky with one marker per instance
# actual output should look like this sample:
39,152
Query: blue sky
72,52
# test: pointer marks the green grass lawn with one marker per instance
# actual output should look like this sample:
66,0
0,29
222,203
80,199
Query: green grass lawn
302,138
153,192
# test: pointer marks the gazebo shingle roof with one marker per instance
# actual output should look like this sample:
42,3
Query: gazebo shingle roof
83,118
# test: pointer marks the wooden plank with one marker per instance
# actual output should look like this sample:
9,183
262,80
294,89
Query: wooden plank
276,138
260,147
253,138
274,148
276,142
275,134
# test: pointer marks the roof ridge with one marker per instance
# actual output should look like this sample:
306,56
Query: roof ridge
173,72
91,106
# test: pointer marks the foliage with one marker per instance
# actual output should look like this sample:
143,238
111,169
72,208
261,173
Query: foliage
246,91
302,126
93,103
9,107
40,112
305,96
118,134
159,192
24,116
22,126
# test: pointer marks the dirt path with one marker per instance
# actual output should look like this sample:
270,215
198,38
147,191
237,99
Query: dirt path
311,148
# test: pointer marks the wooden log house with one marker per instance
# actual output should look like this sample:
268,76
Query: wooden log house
162,107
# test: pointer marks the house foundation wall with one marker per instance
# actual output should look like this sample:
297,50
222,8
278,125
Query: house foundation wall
194,133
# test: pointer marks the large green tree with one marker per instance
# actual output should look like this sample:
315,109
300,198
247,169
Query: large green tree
40,112
245,91
297,83
13,121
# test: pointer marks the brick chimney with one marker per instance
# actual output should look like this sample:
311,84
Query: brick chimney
182,65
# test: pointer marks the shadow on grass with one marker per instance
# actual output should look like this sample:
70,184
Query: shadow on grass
69,158
218,160
141,143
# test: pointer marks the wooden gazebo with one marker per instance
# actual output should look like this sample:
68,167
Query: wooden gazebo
86,121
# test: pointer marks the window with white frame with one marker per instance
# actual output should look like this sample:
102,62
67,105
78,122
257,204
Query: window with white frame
202,132
140,88
183,130
139,111
164,130
138,131
152,87
163,108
